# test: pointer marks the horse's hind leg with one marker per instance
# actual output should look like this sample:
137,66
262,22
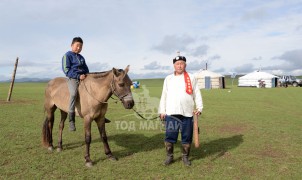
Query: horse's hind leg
61,127
48,126
102,130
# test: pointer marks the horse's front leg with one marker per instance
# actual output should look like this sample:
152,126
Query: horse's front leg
102,130
61,127
87,128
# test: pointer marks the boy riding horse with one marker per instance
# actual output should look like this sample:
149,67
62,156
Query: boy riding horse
75,69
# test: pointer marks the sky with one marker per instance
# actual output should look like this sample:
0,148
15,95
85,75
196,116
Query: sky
228,35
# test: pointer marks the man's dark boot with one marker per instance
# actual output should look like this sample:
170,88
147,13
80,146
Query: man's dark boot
169,150
72,121
107,120
185,154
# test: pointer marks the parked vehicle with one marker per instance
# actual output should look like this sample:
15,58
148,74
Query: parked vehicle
290,80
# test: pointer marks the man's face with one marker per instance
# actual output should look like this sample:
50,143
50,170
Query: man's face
179,67
76,47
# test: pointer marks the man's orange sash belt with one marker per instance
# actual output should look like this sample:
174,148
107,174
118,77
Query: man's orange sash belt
189,88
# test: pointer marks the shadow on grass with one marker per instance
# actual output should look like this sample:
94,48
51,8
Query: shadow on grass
135,143
220,147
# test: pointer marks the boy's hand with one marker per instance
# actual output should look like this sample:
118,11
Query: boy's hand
82,76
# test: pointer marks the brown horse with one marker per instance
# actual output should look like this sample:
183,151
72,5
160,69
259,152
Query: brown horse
91,105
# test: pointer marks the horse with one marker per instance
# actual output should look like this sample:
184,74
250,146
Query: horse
91,105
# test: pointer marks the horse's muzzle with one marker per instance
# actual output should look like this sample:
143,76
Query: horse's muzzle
128,102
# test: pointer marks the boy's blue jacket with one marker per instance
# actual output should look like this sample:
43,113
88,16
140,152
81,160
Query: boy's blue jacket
74,65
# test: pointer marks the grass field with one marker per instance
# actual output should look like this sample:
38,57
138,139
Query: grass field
247,133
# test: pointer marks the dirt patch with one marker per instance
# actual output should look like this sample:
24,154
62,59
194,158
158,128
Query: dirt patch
233,128
19,101
268,151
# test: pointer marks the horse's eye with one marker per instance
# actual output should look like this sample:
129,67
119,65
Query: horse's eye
121,84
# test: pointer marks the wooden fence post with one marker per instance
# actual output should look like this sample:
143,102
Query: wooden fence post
13,81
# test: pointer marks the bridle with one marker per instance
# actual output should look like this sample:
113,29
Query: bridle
113,90
121,97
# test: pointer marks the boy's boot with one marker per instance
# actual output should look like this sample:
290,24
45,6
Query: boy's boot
107,120
72,121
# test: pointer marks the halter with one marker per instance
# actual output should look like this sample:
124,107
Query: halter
113,90
112,86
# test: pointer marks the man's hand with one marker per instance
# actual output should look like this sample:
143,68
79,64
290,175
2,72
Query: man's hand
82,76
196,112
162,116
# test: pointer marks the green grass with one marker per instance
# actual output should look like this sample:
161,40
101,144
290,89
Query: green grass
247,133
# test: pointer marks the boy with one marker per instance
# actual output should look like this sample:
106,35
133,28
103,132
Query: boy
75,68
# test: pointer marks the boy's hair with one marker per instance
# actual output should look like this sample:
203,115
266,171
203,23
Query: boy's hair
77,39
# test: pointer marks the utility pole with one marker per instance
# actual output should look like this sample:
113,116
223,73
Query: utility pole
13,81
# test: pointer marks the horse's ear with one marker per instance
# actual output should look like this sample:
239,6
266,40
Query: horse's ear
127,69
115,71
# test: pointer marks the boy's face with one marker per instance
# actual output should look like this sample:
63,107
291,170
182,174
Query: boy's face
76,47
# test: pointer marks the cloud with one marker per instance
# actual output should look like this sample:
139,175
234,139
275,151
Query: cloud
257,58
173,43
245,68
255,14
299,28
151,75
185,44
220,70
98,67
155,66
293,56
199,51
118,33
291,61
215,57
196,65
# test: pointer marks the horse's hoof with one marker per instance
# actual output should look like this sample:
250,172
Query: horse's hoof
112,158
59,149
50,149
88,164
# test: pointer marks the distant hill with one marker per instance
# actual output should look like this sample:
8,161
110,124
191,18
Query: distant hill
29,80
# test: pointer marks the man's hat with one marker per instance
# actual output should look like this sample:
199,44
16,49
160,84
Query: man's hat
178,58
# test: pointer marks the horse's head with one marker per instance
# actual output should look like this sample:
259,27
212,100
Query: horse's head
121,87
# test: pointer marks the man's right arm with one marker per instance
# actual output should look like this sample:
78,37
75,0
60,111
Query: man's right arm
162,104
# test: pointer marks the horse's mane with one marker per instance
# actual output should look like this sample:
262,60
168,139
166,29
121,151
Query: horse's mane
99,74
102,74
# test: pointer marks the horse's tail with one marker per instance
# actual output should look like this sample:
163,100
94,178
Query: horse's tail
46,135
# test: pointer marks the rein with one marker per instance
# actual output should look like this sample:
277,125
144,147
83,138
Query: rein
112,87
139,114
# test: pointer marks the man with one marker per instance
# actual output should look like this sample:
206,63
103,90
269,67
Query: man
176,107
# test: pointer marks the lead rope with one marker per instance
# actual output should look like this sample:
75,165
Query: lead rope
139,114
116,101
94,97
